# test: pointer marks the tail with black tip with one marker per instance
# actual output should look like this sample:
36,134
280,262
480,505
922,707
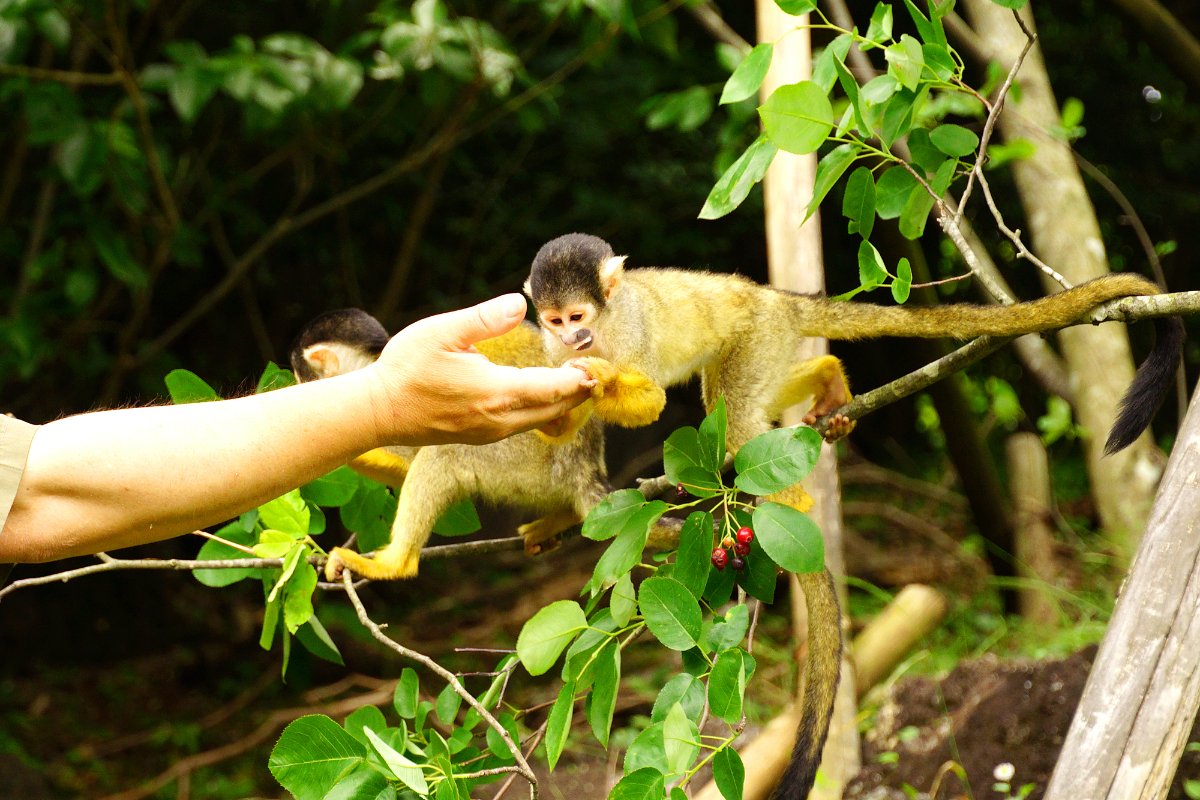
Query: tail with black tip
822,668
1149,387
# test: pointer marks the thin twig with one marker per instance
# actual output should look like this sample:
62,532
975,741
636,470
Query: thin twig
522,767
62,76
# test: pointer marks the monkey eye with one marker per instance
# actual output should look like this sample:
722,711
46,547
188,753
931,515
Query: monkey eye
555,320
578,315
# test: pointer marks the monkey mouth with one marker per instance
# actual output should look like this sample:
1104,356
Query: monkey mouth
584,345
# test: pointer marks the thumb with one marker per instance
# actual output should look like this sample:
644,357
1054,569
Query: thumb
486,320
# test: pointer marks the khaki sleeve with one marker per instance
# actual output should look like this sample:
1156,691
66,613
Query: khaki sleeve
15,438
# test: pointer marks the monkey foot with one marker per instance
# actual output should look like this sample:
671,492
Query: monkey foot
837,427
383,568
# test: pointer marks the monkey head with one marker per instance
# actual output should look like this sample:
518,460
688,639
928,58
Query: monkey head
337,342
570,283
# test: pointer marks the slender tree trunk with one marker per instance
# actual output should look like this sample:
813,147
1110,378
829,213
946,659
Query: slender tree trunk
1065,233
795,262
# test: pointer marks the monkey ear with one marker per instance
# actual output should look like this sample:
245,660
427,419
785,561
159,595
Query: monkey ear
323,359
610,275
528,288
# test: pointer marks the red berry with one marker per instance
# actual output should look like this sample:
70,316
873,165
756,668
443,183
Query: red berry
738,563
720,558
681,493
745,535
742,548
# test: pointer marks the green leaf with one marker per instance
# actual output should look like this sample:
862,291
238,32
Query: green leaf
684,111
879,89
297,603
777,459
558,724
727,686
407,694
798,117
447,705
579,662
317,641
188,387
902,285
906,60
761,572
313,753
646,783
496,745
831,62
791,538
954,140
736,182
729,773
624,509
274,377
114,253
671,612
892,191
681,740
858,203
369,513
830,169
271,615
605,685
458,520
287,513
647,751
692,559
897,117
871,272
1016,5
401,767
683,689
711,436
547,633
622,603
213,550
916,212
797,7
925,154
748,76
879,30
621,556
333,489
728,633
364,717
850,86
939,61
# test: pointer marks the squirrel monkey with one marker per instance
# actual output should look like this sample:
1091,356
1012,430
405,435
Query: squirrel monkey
663,326
558,472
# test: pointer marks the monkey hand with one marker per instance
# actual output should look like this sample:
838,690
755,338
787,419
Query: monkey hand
623,397
385,567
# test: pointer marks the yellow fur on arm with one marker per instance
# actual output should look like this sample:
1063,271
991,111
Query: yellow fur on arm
381,465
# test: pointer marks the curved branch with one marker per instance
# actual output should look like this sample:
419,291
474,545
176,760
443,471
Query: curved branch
522,768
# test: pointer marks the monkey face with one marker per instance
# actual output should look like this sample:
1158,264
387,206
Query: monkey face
572,324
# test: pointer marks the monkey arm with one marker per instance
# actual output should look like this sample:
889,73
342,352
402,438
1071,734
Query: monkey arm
622,395
821,380
383,464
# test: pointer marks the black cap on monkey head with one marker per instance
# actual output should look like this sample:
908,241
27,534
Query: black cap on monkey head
568,268
348,326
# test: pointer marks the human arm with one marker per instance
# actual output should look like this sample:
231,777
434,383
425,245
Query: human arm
112,479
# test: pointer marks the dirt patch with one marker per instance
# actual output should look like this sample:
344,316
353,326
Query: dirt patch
983,714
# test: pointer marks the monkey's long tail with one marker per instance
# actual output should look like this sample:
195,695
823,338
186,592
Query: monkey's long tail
1150,383
822,668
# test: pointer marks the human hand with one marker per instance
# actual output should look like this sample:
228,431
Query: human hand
435,388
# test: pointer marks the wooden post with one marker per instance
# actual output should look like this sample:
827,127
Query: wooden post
914,612
1142,695
1029,485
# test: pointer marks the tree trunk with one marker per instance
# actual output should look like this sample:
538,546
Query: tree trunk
1142,696
795,262
1029,485
1066,235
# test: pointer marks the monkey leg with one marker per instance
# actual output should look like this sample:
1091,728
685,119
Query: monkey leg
563,429
624,397
541,534
386,465
432,486
823,379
